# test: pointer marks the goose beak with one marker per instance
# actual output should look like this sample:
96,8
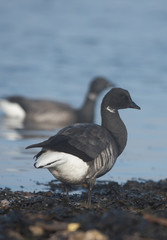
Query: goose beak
134,105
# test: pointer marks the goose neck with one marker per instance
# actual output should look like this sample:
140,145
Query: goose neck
112,122
86,112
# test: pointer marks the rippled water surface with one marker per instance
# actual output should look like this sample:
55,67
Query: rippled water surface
52,49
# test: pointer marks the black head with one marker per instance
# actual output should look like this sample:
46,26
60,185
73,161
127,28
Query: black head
99,84
118,98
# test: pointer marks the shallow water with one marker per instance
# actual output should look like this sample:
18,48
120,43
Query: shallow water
52,49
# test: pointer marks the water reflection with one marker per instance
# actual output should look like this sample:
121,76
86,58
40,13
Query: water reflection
13,129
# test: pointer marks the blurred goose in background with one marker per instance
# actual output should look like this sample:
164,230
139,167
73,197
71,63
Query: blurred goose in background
83,152
48,114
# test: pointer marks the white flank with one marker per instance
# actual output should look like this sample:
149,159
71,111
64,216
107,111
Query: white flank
63,166
13,110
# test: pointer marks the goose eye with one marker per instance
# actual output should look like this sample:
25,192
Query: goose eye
124,98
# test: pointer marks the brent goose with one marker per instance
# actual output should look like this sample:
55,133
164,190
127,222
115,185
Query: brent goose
47,114
83,152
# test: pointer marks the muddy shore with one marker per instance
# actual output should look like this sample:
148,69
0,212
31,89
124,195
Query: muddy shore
133,211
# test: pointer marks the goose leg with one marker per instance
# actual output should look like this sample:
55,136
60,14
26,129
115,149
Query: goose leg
91,185
67,192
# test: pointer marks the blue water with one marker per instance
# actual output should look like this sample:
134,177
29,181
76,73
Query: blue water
52,49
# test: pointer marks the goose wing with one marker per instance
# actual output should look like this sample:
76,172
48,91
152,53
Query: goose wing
85,141
39,105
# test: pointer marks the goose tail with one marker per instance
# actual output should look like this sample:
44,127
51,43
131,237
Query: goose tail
38,145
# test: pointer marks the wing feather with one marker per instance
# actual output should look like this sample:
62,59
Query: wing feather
86,141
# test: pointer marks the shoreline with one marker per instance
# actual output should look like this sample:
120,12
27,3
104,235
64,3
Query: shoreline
131,211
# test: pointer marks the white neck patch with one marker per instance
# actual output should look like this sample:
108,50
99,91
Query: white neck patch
92,96
112,110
